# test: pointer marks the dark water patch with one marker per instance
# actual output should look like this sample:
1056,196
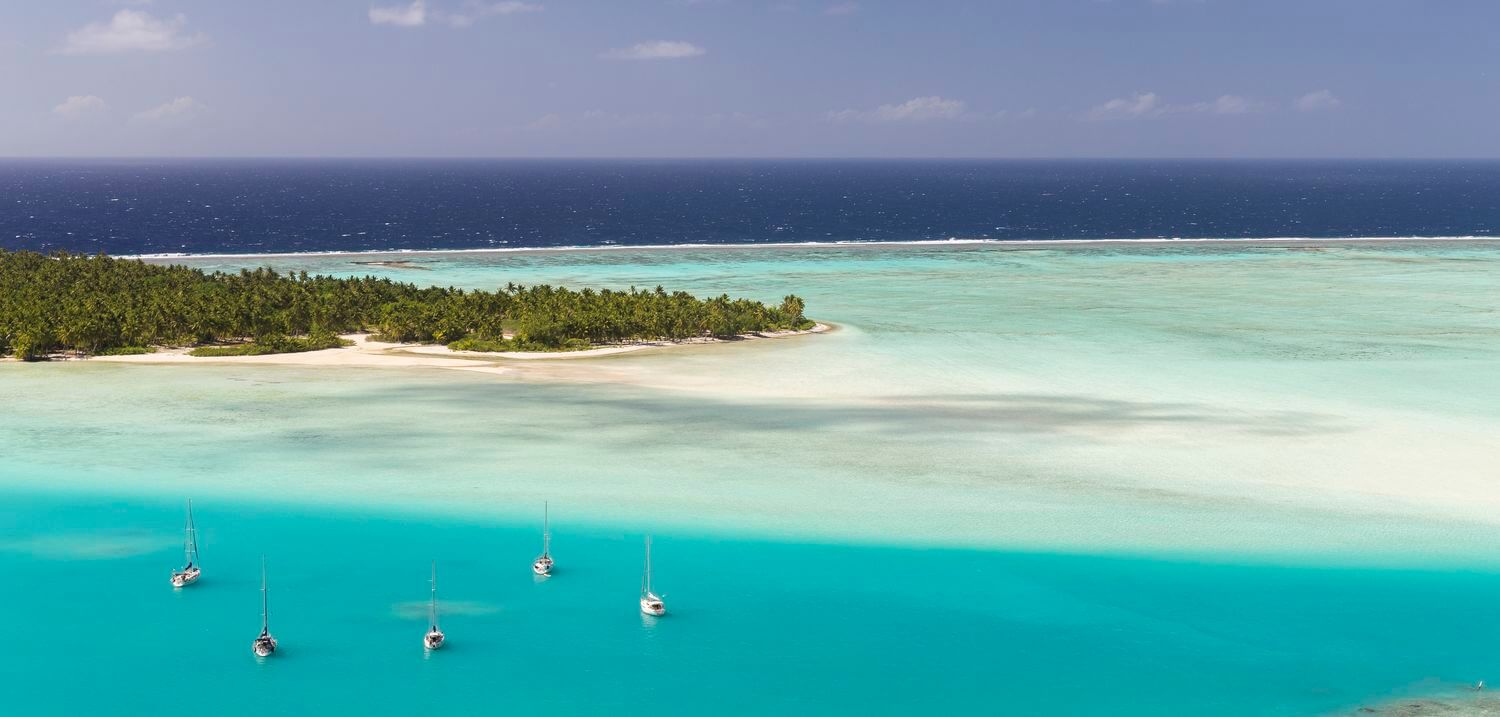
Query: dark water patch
269,206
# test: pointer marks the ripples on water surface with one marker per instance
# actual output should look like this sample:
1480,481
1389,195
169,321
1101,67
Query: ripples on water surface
269,206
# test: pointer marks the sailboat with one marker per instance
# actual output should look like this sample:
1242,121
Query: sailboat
264,645
651,603
543,565
189,572
434,638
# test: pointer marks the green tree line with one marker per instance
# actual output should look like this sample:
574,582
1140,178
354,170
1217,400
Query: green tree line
101,304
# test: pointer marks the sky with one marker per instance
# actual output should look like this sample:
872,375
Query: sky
750,78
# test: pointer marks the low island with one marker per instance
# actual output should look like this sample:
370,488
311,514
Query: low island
100,306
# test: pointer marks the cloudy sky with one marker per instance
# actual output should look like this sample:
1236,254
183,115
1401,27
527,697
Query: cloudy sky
696,78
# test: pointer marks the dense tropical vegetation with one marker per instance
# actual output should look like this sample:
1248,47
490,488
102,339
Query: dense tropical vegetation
99,304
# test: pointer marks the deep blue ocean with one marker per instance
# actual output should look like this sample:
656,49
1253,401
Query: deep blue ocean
261,206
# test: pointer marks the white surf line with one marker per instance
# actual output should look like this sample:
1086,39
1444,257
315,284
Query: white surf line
954,241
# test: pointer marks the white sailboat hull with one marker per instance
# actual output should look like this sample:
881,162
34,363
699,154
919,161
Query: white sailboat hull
263,646
652,605
434,640
186,577
542,566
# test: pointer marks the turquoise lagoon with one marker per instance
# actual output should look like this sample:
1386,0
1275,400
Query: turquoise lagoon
1111,479
756,627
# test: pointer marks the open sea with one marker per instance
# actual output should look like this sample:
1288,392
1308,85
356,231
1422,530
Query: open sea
274,206
1130,478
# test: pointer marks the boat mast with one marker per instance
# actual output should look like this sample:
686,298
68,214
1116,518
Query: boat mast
265,611
648,565
432,610
546,534
191,549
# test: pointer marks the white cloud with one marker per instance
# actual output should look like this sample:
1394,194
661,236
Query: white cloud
917,109
1224,105
418,13
473,11
79,106
843,8
1149,104
509,7
130,31
1317,101
1141,104
551,120
413,15
658,50
178,110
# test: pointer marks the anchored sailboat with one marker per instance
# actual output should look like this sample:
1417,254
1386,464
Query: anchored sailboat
543,565
189,572
264,645
434,638
651,603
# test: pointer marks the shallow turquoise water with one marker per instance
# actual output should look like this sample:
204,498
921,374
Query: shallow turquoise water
756,627
1174,480
1201,398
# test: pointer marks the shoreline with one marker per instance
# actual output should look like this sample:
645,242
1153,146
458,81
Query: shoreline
367,353
950,242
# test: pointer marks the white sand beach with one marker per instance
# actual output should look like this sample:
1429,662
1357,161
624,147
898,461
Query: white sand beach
368,353
1201,398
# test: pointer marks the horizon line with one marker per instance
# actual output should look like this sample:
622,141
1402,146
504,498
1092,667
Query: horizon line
724,158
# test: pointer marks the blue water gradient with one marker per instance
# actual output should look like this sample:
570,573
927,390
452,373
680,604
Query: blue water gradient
755,627
270,206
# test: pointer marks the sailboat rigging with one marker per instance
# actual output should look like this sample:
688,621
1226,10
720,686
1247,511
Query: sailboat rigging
264,644
543,565
651,603
190,570
434,638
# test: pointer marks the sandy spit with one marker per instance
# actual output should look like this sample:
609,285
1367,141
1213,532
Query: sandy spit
368,353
